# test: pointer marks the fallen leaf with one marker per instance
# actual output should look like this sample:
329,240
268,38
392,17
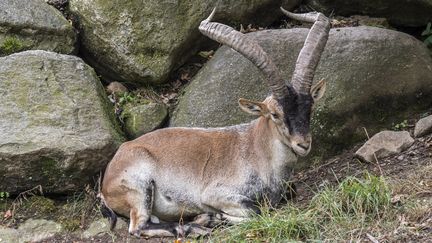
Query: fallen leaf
7,214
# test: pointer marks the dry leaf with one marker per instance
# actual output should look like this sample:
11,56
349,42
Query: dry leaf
7,214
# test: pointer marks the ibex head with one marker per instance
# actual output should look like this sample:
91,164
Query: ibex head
289,106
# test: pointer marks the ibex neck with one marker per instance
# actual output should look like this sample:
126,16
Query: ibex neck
266,139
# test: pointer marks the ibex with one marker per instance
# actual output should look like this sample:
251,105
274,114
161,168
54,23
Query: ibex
221,173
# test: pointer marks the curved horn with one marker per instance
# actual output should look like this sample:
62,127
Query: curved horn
310,54
249,49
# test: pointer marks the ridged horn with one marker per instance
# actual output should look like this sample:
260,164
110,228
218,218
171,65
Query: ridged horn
313,47
249,49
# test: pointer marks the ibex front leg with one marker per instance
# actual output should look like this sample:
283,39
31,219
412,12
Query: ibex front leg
234,208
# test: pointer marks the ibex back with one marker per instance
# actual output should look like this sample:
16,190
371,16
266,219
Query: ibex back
221,173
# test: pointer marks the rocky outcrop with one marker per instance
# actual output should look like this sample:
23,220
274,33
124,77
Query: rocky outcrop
400,12
32,230
372,80
34,24
384,144
144,118
142,42
55,127
423,126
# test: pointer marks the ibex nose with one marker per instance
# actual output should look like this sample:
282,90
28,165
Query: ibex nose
304,146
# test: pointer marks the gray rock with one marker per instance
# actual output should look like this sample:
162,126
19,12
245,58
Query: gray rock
400,12
135,42
34,24
8,235
144,118
34,230
57,128
102,226
357,64
423,126
384,144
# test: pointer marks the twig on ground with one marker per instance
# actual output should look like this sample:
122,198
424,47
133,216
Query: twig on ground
376,159
371,238
21,198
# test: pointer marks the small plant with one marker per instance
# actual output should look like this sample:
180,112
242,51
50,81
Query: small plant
427,33
126,98
401,126
4,195
10,45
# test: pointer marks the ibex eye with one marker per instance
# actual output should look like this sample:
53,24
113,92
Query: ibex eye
274,115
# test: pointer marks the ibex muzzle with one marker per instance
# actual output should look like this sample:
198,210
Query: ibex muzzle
220,173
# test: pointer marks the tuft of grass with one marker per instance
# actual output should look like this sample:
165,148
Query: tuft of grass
11,45
368,196
79,210
338,213
273,226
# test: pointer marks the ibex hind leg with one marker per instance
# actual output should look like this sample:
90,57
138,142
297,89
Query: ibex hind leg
141,200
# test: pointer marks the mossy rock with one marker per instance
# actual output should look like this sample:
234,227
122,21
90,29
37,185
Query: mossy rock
142,43
145,118
372,81
34,25
57,125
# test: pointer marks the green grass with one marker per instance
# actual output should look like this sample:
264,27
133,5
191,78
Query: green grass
337,214
11,45
288,223
369,196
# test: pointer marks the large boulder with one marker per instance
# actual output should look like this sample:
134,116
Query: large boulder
34,24
55,125
374,77
142,42
398,12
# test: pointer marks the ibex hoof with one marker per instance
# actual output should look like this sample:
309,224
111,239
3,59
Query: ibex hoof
136,233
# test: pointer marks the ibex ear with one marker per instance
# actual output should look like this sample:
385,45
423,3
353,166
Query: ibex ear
253,107
318,90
